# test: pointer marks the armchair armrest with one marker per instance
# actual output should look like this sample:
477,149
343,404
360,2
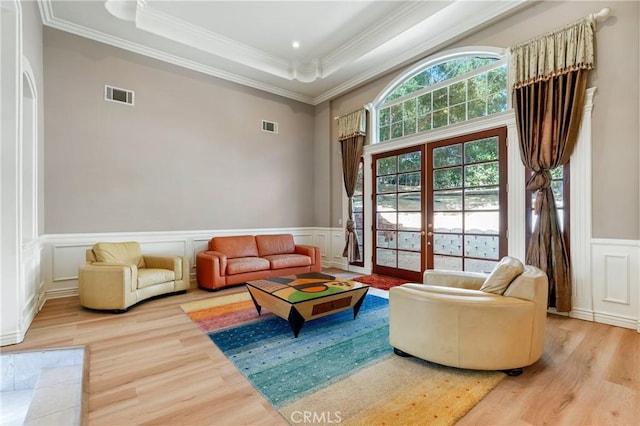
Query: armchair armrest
459,279
178,264
104,285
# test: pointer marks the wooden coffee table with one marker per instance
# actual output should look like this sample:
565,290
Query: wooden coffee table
303,297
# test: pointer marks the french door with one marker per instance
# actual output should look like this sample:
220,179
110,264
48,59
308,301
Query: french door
467,201
398,200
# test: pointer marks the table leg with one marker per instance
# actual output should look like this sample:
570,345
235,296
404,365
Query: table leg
255,302
295,321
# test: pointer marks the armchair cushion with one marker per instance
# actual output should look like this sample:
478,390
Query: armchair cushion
503,273
127,253
149,276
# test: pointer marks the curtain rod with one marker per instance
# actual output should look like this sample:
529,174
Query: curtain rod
347,113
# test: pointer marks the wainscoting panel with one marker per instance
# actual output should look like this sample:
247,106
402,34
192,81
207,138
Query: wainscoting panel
616,282
64,254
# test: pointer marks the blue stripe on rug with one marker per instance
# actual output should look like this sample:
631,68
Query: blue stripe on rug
327,349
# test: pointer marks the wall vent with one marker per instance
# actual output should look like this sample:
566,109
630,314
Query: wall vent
116,94
269,126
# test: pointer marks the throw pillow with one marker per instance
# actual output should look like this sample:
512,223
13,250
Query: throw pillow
503,273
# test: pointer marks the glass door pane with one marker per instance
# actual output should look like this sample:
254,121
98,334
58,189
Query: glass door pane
466,227
398,214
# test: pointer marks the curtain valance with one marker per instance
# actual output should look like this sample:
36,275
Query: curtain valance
556,53
352,124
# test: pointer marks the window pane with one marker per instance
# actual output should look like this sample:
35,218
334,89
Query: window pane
447,244
458,93
386,257
497,102
409,261
424,123
386,202
477,108
440,98
447,200
482,222
409,182
556,187
397,130
447,222
557,172
481,174
410,161
409,241
450,155
386,184
458,113
387,221
447,263
475,265
386,239
482,247
386,166
396,113
357,203
447,178
410,221
481,150
411,201
384,133
497,79
440,118
384,118
424,104
477,87
482,199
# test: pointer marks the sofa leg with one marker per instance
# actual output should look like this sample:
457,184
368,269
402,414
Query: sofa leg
401,353
513,372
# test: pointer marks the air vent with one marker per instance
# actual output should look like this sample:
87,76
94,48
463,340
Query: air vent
115,94
269,126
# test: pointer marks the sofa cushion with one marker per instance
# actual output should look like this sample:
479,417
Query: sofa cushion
127,253
232,247
280,261
246,264
503,273
152,276
275,244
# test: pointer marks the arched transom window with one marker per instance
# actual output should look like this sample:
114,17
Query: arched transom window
442,93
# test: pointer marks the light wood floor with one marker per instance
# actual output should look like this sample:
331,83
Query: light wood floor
152,365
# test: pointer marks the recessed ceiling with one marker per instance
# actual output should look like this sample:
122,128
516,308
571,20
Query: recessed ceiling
342,44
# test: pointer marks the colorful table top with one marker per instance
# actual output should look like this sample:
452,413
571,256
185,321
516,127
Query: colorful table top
302,287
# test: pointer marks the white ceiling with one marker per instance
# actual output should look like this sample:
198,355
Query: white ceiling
342,43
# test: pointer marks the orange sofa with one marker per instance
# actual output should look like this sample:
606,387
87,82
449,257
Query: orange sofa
238,259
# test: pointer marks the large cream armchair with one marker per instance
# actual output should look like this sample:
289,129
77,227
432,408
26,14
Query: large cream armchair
449,320
117,276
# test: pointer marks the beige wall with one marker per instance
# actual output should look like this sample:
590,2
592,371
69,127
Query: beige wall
616,134
189,155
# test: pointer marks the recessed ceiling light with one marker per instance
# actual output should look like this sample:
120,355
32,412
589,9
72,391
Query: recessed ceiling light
295,44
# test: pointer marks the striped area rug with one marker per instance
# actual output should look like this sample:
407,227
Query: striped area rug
338,370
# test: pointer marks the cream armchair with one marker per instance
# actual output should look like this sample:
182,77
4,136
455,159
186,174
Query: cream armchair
117,276
449,320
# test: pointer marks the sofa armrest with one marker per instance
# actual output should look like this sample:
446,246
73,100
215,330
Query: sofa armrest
178,264
307,251
102,285
211,267
459,279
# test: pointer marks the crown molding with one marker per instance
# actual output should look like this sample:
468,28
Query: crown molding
474,14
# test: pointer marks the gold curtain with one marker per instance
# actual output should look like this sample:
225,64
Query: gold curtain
550,78
351,134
